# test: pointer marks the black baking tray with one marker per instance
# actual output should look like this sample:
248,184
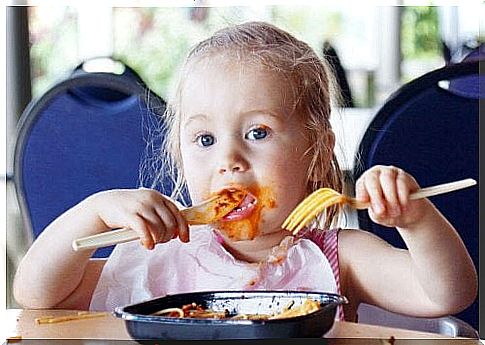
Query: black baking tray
143,326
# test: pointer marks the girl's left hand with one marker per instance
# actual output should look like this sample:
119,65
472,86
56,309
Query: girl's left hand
387,188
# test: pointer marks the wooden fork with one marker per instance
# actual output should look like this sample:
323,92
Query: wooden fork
206,212
322,198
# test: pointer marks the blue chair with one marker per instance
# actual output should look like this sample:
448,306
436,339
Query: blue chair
85,134
429,127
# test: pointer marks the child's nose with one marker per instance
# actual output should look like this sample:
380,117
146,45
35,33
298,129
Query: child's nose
234,163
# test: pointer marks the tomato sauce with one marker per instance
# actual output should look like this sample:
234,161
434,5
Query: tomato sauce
248,228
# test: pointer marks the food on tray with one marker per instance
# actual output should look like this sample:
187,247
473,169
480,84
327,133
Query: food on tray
194,310
309,306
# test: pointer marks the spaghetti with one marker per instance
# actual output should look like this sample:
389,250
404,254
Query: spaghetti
194,310
78,316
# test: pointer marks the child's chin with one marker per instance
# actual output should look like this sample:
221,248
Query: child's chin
240,234
239,230
245,230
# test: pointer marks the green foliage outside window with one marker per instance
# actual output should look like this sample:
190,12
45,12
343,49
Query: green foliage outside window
53,45
420,32
154,41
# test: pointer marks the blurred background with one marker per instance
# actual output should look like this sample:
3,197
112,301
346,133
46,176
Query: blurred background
376,48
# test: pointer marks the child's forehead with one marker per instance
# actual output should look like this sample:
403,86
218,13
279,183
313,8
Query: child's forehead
239,64
233,85
234,72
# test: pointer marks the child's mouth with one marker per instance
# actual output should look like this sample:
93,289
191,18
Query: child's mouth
243,210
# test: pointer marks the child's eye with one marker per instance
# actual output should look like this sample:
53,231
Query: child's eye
205,140
257,133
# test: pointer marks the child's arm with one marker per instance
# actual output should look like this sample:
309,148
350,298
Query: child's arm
52,274
435,276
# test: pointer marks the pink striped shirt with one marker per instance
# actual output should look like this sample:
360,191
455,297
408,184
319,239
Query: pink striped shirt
327,241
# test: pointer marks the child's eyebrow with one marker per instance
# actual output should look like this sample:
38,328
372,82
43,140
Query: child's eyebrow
275,114
191,118
268,112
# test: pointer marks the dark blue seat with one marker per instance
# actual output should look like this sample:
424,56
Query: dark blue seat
429,127
84,135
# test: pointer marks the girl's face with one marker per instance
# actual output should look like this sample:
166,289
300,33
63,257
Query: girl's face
236,130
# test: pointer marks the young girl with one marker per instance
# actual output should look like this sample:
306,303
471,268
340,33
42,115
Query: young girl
252,111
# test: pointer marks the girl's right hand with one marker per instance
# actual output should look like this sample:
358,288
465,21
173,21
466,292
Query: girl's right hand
152,215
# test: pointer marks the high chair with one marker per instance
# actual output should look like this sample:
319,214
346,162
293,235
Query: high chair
86,134
429,128
447,325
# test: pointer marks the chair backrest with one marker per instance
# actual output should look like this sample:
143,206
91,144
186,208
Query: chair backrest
84,135
431,131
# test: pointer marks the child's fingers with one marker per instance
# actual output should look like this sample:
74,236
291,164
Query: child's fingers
389,188
155,224
403,190
183,227
169,222
141,227
360,191
373,188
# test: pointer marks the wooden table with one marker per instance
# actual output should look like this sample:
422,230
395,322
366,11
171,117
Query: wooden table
18,326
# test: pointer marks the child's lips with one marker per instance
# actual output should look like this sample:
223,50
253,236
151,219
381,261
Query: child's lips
243,210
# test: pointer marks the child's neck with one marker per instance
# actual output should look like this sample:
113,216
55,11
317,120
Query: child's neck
255,250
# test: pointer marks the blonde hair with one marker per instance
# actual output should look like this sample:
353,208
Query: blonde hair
310,82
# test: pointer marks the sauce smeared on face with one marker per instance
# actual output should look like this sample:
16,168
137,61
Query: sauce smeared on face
215,207
248,228
228,199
